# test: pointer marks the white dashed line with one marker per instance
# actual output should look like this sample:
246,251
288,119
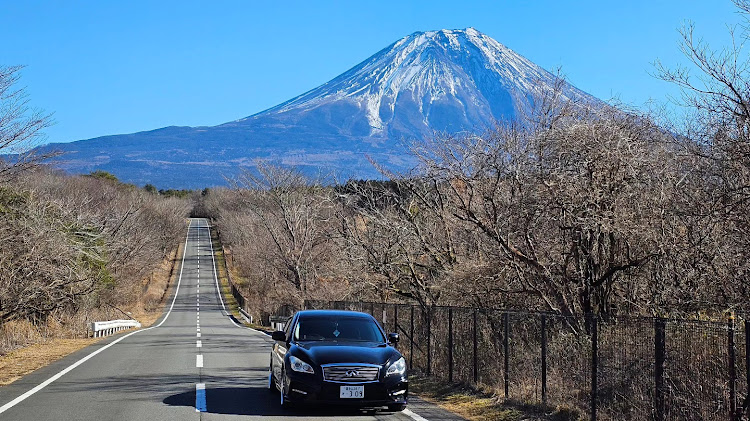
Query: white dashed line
199,361
199,335
198,344
200,397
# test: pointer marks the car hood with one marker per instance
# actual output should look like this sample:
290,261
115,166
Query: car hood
347,352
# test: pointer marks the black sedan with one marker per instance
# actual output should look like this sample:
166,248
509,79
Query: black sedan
337,357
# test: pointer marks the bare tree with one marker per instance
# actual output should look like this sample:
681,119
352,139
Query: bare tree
716,90
398,232
292,212
21,128
78,242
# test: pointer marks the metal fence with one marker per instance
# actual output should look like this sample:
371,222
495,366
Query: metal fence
620,368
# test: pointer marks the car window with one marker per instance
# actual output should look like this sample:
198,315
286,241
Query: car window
338,329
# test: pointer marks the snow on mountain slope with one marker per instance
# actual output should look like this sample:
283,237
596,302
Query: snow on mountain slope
447,80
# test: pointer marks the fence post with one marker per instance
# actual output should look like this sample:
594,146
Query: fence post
732,369
395,318
747,358
594,363
411,338
659,358
544,359
429,337
506,334
450,344
476,367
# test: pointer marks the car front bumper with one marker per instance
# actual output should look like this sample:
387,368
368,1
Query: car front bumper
307,388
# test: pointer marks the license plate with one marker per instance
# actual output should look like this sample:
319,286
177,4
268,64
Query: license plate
352,392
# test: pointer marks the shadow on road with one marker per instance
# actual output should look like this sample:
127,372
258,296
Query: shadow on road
259,401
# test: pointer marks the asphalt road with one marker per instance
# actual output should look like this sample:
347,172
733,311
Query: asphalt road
195,363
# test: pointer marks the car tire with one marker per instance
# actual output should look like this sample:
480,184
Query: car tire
396,407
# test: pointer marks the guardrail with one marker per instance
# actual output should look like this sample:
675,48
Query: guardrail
245,315
112,326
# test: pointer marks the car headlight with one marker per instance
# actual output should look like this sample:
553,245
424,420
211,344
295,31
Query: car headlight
299,365
399,367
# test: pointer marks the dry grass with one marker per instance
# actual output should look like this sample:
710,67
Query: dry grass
21,362
481,404
28,347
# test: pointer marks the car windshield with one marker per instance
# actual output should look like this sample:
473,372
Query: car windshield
338,329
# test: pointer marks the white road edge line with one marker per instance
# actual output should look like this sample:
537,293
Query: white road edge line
413,416
47,382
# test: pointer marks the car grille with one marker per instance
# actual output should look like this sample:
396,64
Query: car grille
351,373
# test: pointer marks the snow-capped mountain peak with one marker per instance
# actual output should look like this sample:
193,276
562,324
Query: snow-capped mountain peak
445,80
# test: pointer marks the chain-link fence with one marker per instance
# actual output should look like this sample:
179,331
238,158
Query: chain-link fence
633,368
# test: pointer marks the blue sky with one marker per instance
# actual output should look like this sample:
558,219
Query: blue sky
106,67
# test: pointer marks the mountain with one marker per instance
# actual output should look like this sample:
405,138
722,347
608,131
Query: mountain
427,82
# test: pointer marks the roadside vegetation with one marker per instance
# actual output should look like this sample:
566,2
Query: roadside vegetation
80,249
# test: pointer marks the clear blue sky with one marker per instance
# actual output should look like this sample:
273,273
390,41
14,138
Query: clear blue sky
107,67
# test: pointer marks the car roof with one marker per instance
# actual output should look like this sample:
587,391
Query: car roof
333,313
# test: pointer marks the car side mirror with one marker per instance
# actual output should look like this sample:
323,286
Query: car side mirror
279,336
393,338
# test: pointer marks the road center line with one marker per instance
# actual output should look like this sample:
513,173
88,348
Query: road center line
200,397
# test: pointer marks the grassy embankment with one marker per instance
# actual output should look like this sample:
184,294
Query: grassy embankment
221,271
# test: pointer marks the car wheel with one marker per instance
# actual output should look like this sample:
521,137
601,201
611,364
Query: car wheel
397,407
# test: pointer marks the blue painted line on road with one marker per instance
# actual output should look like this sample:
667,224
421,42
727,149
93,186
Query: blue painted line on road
200,397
